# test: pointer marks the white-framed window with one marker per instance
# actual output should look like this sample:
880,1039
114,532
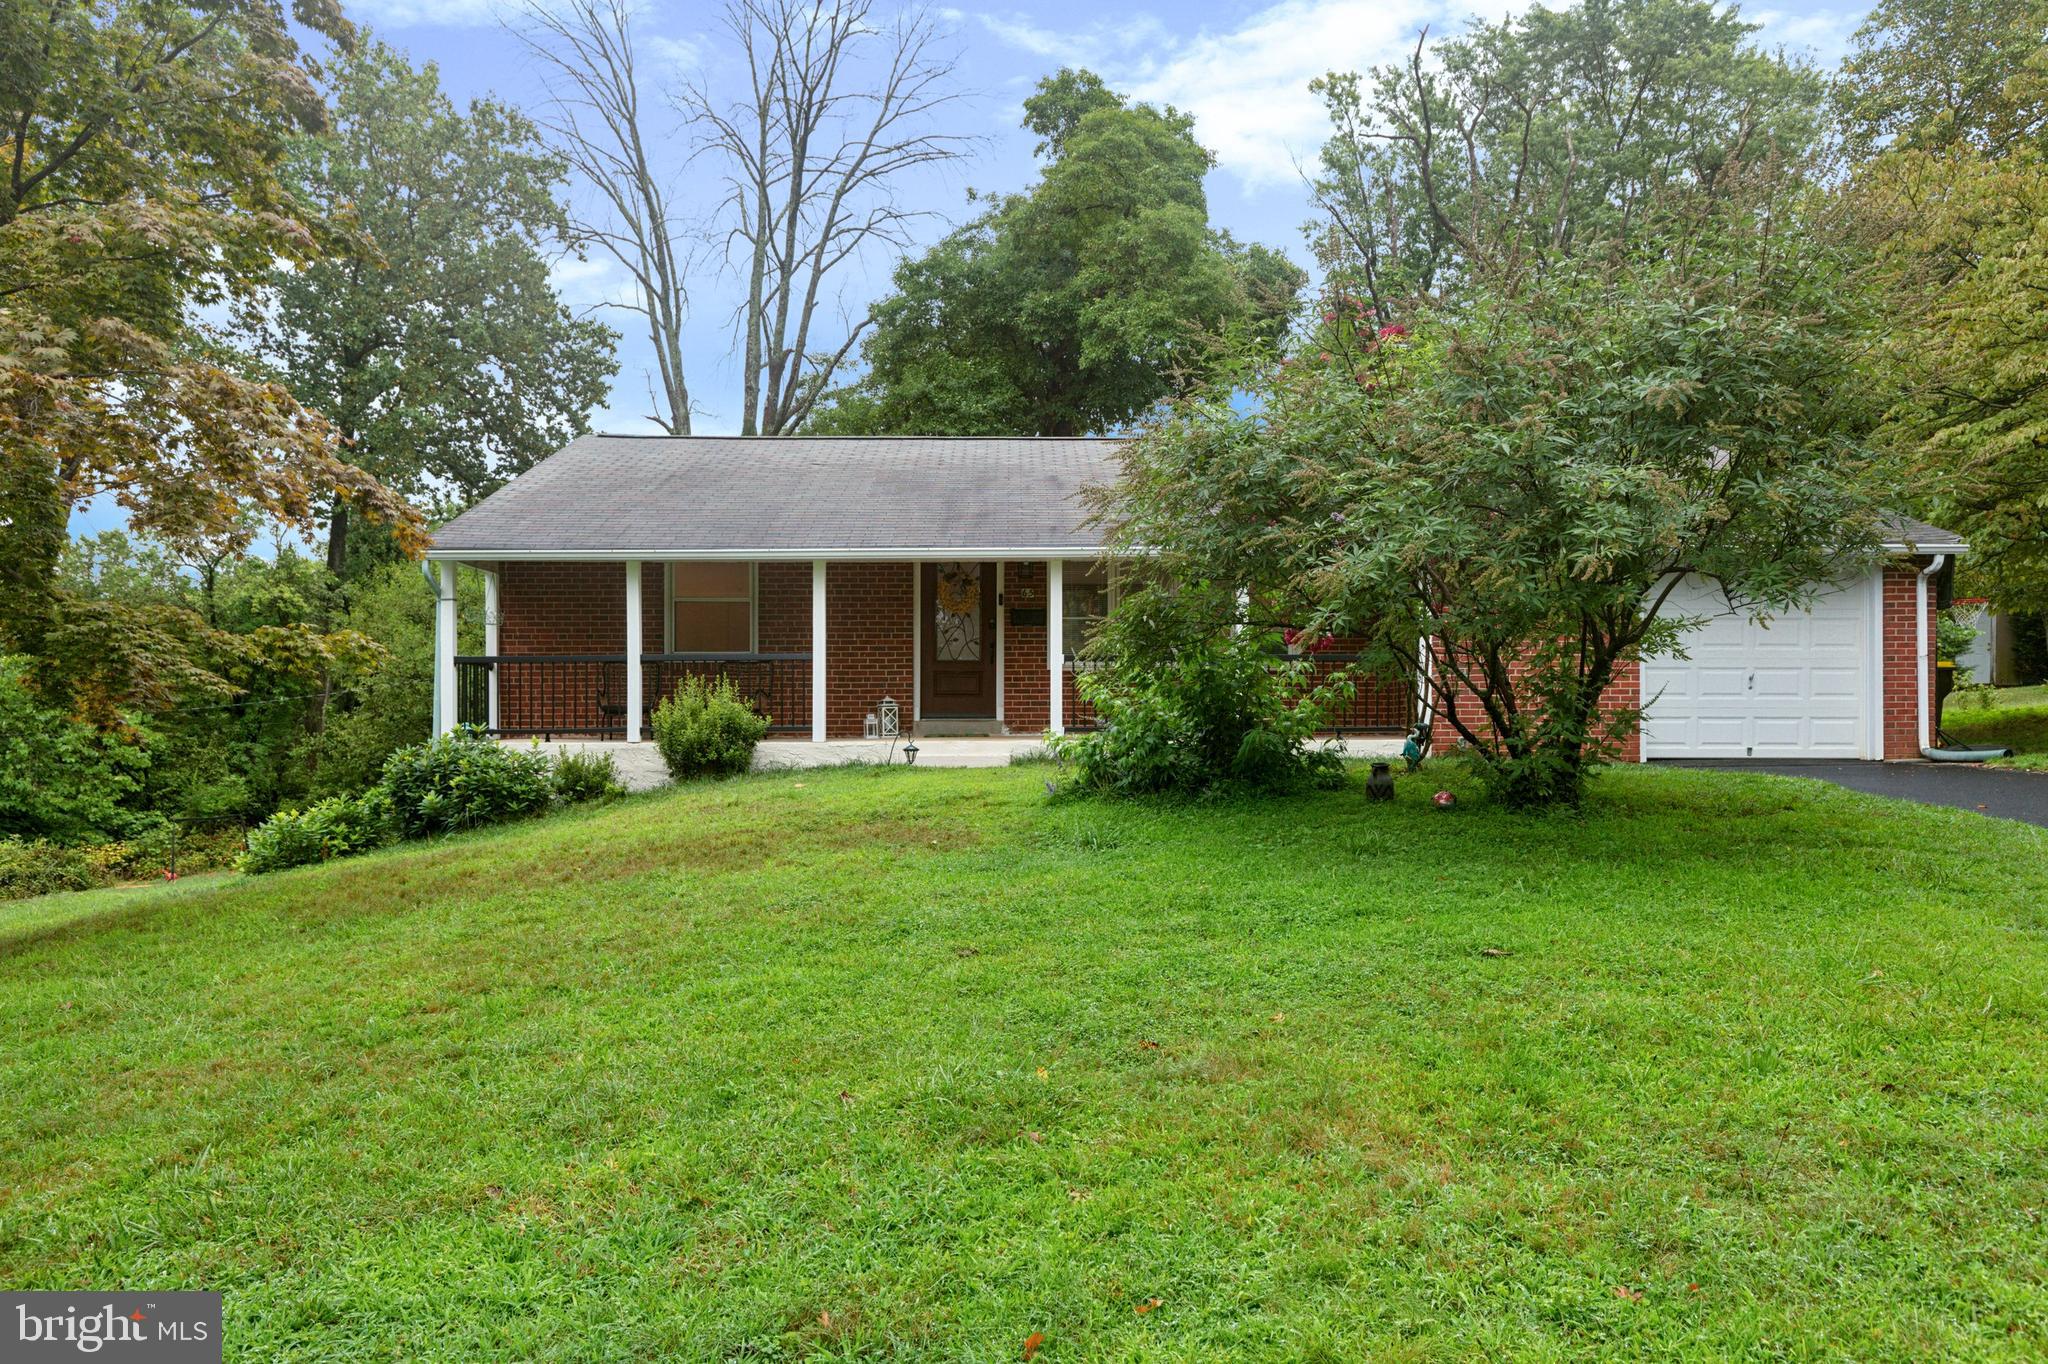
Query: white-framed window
1089,591
712,607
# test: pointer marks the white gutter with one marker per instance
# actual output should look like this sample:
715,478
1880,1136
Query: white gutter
887,555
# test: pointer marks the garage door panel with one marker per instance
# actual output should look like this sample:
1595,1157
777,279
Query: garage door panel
1838,685
1792,687
1721,684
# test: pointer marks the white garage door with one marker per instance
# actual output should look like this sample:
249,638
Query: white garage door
1796,687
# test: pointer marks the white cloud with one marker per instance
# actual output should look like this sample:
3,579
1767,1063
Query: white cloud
1247,86
392,14
1822,35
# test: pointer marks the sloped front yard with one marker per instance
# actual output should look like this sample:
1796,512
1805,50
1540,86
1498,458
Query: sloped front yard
919,1065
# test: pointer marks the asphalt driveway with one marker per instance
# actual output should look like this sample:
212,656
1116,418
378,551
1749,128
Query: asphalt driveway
1999,791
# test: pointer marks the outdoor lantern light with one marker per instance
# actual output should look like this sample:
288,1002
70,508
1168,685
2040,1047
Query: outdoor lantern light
868,729
891,716
910,754
1380,785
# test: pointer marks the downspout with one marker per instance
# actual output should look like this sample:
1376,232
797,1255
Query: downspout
1927,748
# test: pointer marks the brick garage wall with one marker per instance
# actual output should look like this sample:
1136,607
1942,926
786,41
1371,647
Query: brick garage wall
868,641
1622,693
1902,658
1027,678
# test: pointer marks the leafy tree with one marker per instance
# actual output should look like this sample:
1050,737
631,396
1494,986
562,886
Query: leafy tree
381,711
1932,74
1076,305
1518,478
435,342
59,778
1521,141
139,202
1956,206
1964,241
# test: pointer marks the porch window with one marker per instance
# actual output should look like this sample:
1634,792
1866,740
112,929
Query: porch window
1089,595
711,608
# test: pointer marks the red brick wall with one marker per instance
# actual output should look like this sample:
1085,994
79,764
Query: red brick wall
1902,660
569,608
1620,694
574,608
1027,676
868,642
782,617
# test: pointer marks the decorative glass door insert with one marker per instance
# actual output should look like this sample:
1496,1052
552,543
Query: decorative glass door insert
956,613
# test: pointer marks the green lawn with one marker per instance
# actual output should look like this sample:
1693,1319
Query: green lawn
916,1065
2015,719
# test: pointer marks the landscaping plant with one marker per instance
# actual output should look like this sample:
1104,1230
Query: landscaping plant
706,730
1188,700
464,779
340,826
586,776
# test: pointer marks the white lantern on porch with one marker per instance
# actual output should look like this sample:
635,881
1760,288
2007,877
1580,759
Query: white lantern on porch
890,716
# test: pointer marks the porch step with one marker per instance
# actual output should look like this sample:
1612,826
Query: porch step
959,729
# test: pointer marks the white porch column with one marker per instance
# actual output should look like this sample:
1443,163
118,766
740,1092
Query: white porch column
817,651
1055,642
491,619
633,651
444,649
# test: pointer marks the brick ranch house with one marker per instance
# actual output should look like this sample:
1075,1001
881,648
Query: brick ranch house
957,577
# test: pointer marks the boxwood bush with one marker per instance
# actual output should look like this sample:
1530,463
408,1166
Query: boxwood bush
707,730
463,780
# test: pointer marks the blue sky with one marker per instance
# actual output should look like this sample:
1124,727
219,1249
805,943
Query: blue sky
1240,68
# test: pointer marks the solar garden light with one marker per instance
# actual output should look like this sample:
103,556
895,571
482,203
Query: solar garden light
910,754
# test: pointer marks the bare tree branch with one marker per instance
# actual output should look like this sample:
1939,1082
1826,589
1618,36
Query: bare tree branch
812,152
586,50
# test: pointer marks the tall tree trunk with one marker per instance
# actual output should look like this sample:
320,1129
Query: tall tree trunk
337,540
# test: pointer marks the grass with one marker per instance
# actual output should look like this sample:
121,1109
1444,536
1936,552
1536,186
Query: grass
2015,718
918,1065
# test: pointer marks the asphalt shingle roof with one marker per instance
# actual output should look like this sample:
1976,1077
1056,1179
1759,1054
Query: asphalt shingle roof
673,496
668,496
1903,532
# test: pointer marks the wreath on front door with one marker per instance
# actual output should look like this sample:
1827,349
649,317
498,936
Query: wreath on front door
958,593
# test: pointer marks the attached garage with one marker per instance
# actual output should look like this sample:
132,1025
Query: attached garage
1808,684
1845,678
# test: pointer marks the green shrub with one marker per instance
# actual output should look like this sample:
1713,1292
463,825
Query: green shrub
38,867
59,778
1188,702
340,826
586,776
463,780
706,730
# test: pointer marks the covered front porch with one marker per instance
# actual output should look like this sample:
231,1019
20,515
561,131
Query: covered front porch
832,651
829,650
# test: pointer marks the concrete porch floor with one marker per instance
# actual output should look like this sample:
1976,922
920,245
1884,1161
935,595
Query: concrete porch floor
640,766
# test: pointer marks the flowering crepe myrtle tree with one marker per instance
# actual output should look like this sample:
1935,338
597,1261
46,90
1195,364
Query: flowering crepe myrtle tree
1502,493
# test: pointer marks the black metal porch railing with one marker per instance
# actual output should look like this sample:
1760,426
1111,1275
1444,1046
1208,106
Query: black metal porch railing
584,695
775,685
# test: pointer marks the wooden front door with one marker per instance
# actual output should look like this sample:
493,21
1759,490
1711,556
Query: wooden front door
959,605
